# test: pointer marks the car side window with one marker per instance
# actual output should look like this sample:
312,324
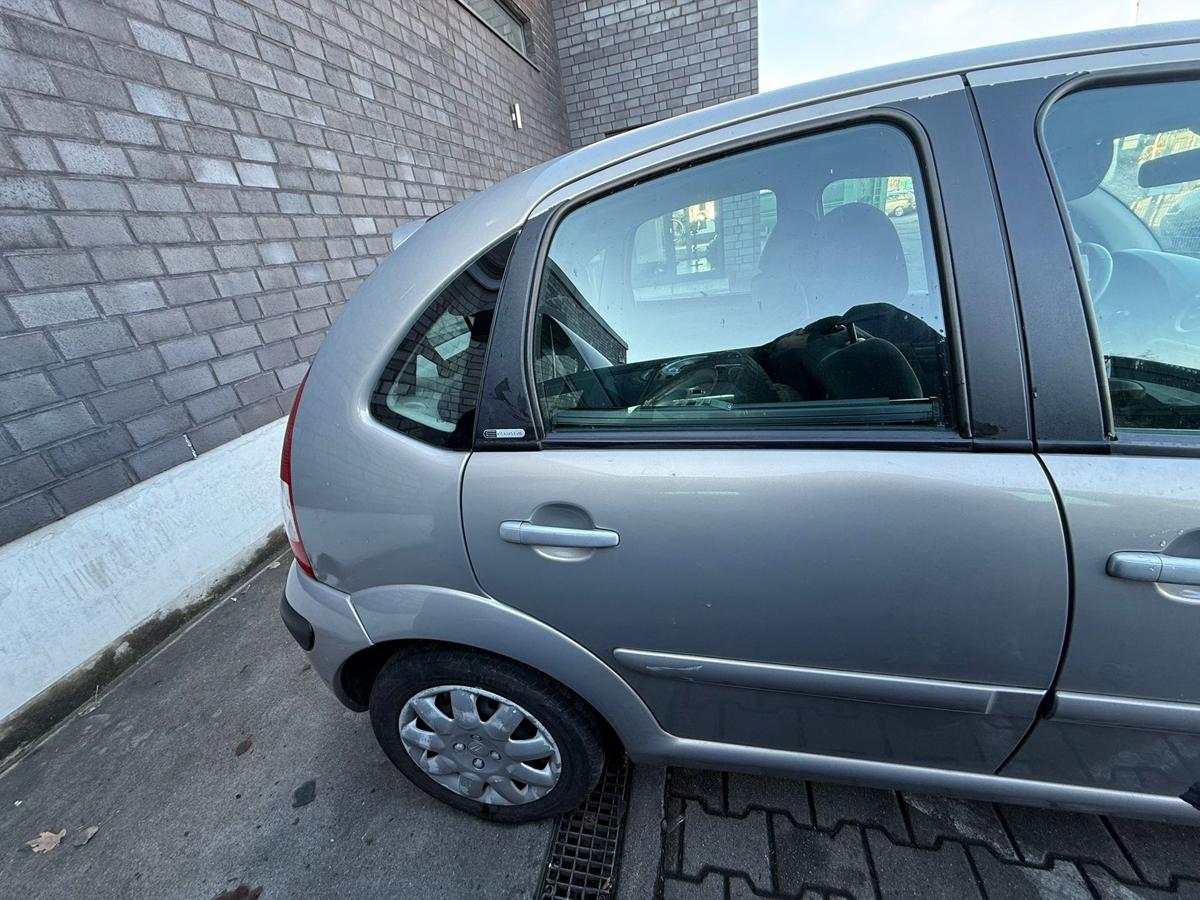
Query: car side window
430,387
1127,162
791,285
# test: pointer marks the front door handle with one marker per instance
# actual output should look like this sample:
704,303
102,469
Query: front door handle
1138,565
516,532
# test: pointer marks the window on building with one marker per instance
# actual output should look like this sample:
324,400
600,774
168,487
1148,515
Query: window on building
773,288
1127,161
430,388
502,19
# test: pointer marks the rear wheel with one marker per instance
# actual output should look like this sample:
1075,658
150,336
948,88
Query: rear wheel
486,735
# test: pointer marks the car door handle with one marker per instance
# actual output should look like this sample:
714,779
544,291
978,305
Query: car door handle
516,532
1138,565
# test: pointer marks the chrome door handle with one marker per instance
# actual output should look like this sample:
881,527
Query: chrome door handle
516,532
1137,565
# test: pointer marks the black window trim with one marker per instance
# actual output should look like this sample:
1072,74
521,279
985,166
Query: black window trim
958,438
1122,441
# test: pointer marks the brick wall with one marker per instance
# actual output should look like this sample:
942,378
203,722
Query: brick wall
627,63
190,190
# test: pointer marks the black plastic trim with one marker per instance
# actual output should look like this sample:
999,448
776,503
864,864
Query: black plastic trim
1162,443
1067,401
994,362
885,439
298,626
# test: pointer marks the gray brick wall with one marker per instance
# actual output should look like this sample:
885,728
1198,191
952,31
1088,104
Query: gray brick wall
626,63
190,189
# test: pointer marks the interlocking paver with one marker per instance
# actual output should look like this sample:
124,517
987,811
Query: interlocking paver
672,843
1046,834
866,843
1160,851
834,803
711,888
703,785
937,818
1005,881
734,845
909,872
746,792
1109,888
808,858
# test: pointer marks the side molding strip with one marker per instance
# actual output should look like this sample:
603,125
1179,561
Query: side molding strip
927,693
1153,715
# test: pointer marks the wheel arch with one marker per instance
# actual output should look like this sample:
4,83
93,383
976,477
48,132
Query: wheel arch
403,618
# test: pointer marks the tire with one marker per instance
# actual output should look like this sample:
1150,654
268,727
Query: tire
549,713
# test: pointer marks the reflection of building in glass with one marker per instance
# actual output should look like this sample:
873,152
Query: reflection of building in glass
1168,210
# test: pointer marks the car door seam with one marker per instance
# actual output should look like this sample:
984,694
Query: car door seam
1047,703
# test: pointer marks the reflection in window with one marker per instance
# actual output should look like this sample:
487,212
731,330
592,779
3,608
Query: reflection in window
502,20
1127,161
1170,211
772,288
704,248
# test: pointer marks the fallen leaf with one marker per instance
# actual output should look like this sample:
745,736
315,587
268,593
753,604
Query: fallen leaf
46,841
243,747
86,835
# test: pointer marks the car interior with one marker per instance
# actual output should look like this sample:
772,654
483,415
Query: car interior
1129,172
808,315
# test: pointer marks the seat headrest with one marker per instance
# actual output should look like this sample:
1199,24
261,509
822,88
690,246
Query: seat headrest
869,368
859,260
1081,164
790,243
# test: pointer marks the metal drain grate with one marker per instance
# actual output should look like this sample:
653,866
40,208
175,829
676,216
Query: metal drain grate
587,841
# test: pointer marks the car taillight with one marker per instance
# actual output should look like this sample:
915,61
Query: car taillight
289,501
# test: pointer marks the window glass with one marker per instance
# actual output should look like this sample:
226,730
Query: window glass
706,248
893,195
775,288
430,387
1127,160
502,20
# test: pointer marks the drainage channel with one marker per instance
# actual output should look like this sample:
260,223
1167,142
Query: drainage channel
586,848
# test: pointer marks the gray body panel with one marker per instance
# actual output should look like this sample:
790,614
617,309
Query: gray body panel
1130,640
875,562
402,612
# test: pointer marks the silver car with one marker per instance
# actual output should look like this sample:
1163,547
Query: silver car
680,446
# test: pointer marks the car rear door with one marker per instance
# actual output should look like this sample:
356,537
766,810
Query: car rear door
1109,295
773,542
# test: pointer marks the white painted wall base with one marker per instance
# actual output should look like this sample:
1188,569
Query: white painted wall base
70,589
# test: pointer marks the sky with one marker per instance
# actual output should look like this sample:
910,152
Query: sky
799,40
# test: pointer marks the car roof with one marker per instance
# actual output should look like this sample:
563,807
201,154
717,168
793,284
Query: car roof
602,154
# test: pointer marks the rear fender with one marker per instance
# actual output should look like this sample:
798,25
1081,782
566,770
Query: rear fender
423,612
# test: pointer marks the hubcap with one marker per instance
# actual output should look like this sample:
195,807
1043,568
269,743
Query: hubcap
479,745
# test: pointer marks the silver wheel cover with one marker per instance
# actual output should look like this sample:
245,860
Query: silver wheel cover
479,745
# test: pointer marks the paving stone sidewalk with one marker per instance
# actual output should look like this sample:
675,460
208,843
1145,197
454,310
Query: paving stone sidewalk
735,836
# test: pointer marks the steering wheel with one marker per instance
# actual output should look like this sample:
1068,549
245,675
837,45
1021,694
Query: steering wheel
1097,267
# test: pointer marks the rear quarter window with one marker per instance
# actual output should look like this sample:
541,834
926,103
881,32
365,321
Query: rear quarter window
430,388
